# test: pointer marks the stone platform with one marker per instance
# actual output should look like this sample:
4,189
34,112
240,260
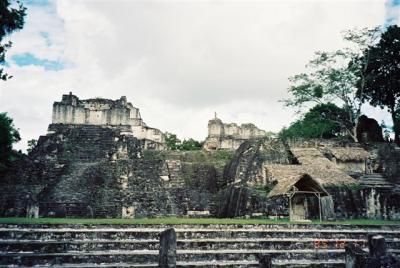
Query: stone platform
297,245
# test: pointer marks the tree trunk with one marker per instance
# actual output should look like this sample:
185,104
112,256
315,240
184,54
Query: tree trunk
354,130
396,126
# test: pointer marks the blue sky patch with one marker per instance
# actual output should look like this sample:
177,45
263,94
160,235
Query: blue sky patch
392,12
46,37
30,59
36,2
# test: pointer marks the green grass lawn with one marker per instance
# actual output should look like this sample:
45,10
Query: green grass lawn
174,220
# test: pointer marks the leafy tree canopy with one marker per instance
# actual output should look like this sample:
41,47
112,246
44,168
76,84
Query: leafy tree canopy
11,19
321,121
333,76
8,135
31,145
190,145
382,76
173,143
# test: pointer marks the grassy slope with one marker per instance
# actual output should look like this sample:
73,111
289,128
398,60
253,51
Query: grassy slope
173,220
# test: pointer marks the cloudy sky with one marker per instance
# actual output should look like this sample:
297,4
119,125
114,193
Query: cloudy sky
176,61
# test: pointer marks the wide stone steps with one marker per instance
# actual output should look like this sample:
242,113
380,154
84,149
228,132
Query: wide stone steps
197,246
206,244
375,180
210,264
203,233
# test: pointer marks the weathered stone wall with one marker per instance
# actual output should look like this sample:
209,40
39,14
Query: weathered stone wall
229,136
389,161
247,164
365,202
246,170
368,130
69,166
245,179
72,110
101,171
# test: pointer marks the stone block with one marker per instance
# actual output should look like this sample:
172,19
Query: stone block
167,253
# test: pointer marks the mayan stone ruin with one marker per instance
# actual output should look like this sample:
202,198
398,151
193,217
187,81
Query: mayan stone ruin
199,134
103,112
100,160
229,136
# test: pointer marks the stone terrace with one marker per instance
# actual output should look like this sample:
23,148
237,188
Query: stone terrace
299,245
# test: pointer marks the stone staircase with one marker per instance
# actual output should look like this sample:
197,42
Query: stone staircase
375,180
297,245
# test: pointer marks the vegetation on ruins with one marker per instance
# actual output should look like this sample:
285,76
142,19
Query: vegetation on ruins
321,121
380,85
190,145
336,77
173,143
8,135
31,144
11,19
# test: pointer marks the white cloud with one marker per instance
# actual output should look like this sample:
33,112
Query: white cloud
177,62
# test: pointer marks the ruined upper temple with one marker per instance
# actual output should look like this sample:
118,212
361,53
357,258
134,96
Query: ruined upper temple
99,111
229,136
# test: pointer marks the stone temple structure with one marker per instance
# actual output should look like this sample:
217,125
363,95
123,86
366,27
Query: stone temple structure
98,160
73,111
229,135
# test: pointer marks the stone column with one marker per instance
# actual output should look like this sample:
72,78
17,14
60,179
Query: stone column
265,262
167,255
355,256
376,246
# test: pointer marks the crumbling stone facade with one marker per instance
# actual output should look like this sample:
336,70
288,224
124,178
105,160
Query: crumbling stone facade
361,195
229,136
73,111
93,162
101,171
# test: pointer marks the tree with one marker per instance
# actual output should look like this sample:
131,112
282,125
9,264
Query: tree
334,76
190,145
171,141
11,19
381,86
31,144
8,135
321,121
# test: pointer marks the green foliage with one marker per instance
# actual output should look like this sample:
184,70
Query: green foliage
8,135
262,190
190,145
271,135
321,121
224,155
11,19
173,143
154,154
381,86
333,76
31,144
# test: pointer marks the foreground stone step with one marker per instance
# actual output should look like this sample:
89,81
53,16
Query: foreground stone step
151,256
53,246
198,245
146,256
209,264
190,233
